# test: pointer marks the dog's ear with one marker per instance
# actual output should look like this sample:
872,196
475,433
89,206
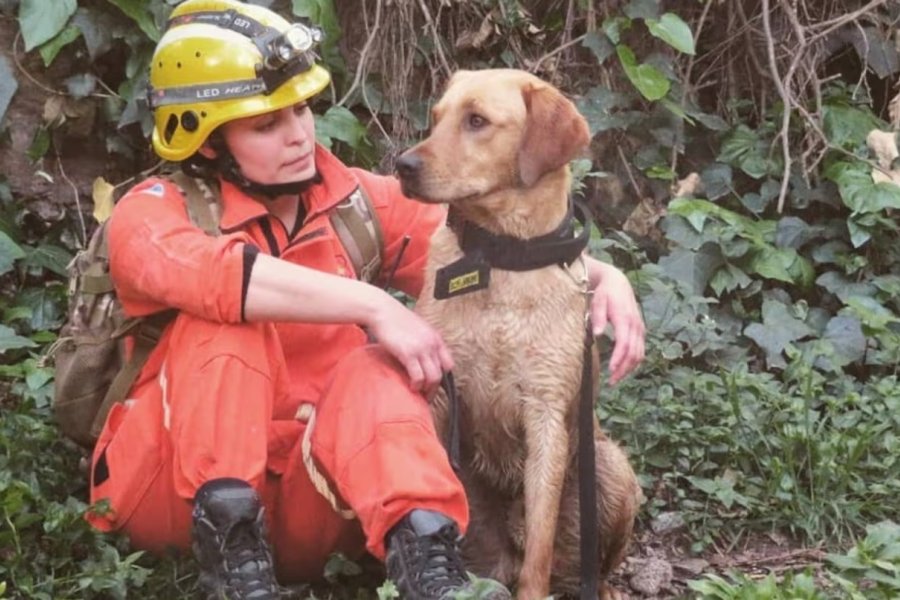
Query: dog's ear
555,132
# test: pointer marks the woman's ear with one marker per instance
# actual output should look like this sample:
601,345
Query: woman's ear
207,151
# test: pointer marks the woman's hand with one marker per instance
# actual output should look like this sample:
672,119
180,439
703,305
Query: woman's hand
281,291
413,342
613,302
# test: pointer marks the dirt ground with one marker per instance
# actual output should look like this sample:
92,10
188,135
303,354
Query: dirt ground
659,566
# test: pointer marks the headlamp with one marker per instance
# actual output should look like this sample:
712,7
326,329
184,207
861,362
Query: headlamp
292,43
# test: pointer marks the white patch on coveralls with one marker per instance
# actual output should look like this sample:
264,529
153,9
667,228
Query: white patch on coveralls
164,386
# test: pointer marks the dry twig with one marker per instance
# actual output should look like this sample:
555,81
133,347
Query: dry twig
364,54
438,43
784,92
62,172
687,76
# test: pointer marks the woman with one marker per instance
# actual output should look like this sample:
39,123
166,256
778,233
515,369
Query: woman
269,350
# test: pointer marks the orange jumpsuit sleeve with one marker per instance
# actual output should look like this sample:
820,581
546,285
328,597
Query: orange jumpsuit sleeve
400,216
160,260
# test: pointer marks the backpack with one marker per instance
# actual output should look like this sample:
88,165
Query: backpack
93,367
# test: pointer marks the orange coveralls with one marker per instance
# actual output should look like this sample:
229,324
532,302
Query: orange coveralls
219,396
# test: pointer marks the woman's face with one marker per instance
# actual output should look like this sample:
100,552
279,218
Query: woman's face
275,147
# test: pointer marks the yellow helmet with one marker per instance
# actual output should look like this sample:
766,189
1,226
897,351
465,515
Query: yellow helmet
221,60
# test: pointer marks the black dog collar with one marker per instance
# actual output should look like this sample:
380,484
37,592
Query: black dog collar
483,251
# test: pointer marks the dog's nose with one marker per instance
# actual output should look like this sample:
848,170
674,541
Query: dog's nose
409,165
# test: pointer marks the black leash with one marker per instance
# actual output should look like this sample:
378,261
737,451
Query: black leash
452,441
587,475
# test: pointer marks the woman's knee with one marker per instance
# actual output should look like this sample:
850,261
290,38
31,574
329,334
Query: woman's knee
369,383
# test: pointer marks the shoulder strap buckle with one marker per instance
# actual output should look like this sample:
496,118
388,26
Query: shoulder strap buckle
356,224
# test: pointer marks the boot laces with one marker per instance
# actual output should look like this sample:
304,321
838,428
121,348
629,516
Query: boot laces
436,561
247,563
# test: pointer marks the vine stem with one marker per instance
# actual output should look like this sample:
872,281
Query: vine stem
687,74
838,22
364,54
72,185
437,38
556,51
785,100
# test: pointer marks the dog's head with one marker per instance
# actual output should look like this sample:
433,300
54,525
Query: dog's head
492,130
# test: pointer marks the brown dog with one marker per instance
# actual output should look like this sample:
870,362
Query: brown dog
498,154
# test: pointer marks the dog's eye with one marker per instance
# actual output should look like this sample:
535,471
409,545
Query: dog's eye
476,121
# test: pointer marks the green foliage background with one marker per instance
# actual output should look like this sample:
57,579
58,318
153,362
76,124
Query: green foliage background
768,401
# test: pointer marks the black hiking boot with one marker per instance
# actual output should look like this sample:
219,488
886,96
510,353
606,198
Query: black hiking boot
424,563
230,543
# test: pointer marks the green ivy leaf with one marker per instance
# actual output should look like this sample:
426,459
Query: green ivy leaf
663,172
46,305
49,50
793,232
10,252
717,180
9,340
778,329
743,148
338,123
859,233
599,44
847,338
712,122
36,376
693,268
40,143
642,9
649,81
41,20
771,266
614,27
98,28
16,313
782,264
877,51
838,284
848,126
674,31
50,257
871,313
8,85
728,279
139,12
859,192
677,110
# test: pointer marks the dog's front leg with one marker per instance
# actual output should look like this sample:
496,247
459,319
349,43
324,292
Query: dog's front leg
547,448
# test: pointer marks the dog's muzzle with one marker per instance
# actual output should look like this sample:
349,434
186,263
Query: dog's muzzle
409,170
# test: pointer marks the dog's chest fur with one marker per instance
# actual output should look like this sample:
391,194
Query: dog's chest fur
517,348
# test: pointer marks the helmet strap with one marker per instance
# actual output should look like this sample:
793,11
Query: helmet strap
225,165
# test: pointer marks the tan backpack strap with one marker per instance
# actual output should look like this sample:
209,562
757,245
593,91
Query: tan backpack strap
356,224
95,280
146,336
201,200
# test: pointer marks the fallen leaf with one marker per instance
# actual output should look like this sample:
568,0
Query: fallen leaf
103,199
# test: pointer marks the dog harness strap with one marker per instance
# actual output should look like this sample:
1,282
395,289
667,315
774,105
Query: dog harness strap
452,441
587,475
560,246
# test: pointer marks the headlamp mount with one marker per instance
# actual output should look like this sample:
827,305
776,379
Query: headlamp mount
295,41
